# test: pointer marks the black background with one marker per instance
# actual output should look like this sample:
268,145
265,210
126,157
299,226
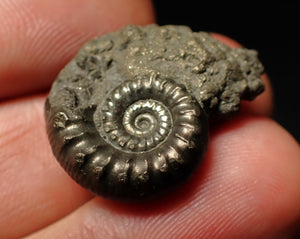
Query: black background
273,30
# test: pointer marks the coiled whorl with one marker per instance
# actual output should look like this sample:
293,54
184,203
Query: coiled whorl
146,137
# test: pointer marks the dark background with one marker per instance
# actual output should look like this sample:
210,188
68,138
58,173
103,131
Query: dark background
271,29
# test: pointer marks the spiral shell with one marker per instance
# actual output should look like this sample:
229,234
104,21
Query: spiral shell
127,117
146,137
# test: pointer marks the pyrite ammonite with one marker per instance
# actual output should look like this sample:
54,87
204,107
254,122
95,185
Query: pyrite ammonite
127,118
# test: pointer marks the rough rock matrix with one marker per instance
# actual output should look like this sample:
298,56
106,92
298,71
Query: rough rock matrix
128,115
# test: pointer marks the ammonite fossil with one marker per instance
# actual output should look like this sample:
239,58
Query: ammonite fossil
128,117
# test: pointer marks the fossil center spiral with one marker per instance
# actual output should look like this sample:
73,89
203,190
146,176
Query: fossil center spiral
135,116
145,122
147,119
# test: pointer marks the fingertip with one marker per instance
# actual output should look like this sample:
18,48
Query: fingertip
250,176
40,37
227,40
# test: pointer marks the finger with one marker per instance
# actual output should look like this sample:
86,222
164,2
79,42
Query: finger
35,191
246,189
263,104
37,38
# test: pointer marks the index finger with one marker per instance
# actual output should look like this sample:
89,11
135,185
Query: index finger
37,38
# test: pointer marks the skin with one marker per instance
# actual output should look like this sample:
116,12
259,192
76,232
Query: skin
247,187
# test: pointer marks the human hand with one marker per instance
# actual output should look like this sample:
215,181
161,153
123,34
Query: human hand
247,187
